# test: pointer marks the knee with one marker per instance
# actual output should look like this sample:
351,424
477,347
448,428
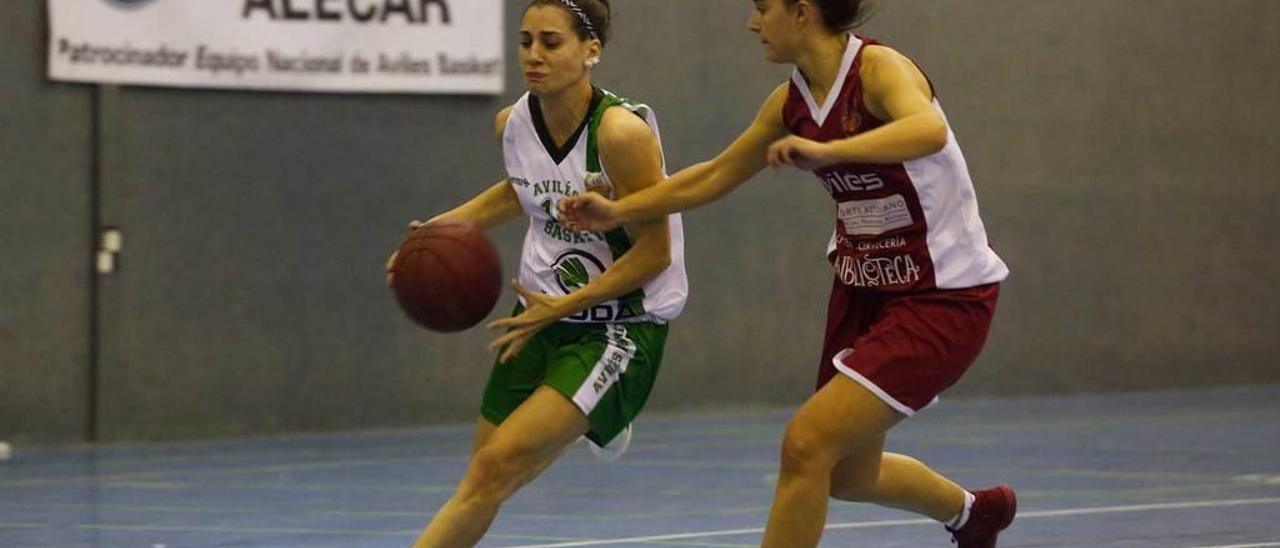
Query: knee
491,477
804,449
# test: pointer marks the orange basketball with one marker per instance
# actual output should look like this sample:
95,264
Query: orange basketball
447,275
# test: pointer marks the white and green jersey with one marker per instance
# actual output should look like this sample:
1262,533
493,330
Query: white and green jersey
559,261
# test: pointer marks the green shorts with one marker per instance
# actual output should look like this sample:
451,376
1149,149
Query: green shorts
606,369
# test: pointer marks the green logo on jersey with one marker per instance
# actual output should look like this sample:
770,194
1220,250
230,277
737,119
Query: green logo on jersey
576,268
572,274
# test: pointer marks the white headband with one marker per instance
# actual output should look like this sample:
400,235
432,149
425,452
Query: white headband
586,21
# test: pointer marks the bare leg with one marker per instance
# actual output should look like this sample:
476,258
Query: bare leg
509,457
484,429
896,481
836,421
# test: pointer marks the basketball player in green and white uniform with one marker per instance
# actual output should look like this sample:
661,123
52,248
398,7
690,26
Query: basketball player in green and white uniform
582,352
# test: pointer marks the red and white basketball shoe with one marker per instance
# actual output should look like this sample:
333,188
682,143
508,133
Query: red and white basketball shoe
992,512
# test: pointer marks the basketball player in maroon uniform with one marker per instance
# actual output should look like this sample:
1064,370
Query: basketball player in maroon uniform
916,282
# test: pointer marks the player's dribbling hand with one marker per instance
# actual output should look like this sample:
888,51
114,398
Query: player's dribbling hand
542,310
589,212
799,153
391,261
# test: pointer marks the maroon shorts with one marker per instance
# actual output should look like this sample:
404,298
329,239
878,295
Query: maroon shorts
906,348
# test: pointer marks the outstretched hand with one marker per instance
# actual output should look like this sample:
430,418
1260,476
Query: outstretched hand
542,311
588,212
800,153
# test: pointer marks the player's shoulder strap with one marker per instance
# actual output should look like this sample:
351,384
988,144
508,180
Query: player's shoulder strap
608,101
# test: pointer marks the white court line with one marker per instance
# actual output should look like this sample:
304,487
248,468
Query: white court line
1258,545
922,521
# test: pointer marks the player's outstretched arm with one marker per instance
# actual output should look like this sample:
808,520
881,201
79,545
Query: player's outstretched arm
692,187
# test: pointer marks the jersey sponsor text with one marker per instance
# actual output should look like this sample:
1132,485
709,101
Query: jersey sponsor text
840,182
864,271
874,217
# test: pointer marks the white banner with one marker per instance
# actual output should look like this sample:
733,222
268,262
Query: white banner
413,46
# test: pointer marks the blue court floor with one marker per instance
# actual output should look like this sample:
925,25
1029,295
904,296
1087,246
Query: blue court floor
1170,470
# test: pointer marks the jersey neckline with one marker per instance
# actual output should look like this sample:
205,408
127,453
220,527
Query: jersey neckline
559,153
819,115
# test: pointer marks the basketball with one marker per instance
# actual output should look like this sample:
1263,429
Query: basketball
447,275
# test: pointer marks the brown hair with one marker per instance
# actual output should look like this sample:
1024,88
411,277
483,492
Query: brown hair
842,15
597,12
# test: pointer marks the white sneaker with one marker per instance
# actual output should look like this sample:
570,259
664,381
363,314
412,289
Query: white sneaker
615,448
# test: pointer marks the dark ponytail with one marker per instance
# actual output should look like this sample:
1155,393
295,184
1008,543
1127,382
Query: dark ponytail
597,12
842,15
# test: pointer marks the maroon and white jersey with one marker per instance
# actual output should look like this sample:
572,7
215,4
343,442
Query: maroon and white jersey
904,227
